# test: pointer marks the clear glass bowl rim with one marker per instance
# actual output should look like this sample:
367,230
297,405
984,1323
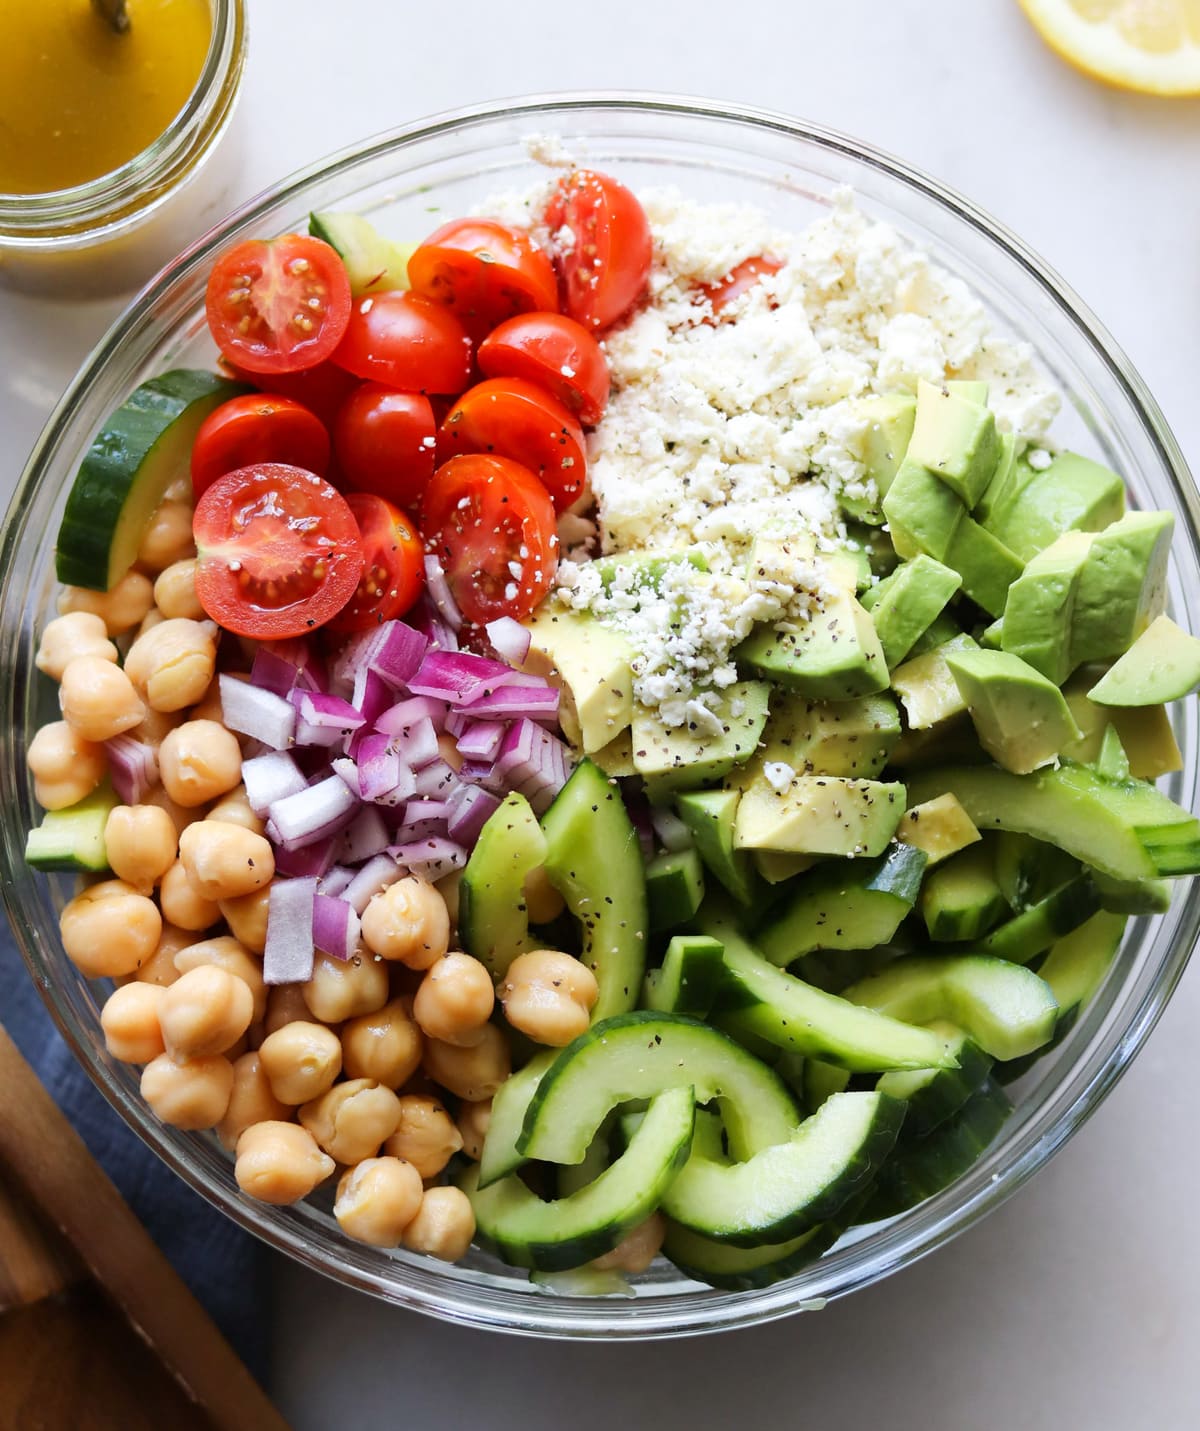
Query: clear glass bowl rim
897,1244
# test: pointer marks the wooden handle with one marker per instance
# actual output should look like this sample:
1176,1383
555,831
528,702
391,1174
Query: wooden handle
34,1262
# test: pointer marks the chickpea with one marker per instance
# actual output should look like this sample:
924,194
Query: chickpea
377,1200
250,1102
65,767
109,929
301,1061
408,921
168,538
173,663
224,861
352,1119
152,618
209,706
227,954
425,1135
444,1226
181,905
448,750
140,841
285,1005
98,698
160,968
637,1249
180,817
198,761
542,901
130,1023
205,1011
154,727
549,996
120,609
191,1095
247,917
234,809
79,633
474,1120
385,1045
279,1163
345,988
455,1000
473,1073
175,591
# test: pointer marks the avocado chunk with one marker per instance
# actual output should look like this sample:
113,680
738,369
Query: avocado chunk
831,738
972,389
987,567
904,605
616,758
955,438
1040,609
1162,665
590,663
926,685
710,816
991,638
1122,587
835,655
776,867
939,828
1020,717
1010,477
888,425
1071,494
645,569
1149,741
961,899
1111,759
943,628
819,815
698,754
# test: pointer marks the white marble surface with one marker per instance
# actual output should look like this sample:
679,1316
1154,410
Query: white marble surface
1075,1305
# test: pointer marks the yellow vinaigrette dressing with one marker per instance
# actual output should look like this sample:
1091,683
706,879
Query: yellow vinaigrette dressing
78,100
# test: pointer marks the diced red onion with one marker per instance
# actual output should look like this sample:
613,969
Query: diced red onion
481,740
422,818
311,673
460,677
288,956
313,813
133,767
334,880
439,592
470,807
383,777
427,619
510,639
400,717
372,695
273,672
672,833
534,763
483,773
434,781
315,859
430,859
345,769
399,654
417,744
260,713
355,656
269,778
364,836
336,926
374,876
326,712
511,702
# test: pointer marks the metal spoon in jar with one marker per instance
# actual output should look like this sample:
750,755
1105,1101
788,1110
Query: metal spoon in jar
114,13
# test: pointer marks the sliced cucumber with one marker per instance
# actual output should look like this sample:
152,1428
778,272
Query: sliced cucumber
493,917
932,1095
741,1269
821,1081
500,1156
574,1177
1138,896
1028,934
142,448
1075,968
691,973
710,815
373,263
962,898
674,888
73,839
1027,870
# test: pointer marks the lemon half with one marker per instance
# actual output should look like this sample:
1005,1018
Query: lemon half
1147,45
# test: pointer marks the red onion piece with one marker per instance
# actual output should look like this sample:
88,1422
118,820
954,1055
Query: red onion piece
314,859
440,594
288,956
400,717
336,926
417,744
430,859
355,656
262,714
483,773
462,678
269,778
398,656
364,836
273,672
534,763
481,740
372,695
427,619
313,813
510,639
511,702
434,781
470,807
374,876
317,708
132,766
422,819
334,880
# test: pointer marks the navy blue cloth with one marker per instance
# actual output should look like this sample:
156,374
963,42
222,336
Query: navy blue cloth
225,1267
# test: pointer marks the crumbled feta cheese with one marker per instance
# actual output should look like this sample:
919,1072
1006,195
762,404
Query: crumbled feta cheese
779,774
1039,459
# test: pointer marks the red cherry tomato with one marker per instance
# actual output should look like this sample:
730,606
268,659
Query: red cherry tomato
278,305
484,272
321,389
257,428
393,565
516,419
555,352
406,342
279,551
386,443
491,524
604,260
739,280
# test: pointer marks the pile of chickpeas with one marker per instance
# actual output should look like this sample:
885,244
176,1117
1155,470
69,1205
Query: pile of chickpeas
354,1073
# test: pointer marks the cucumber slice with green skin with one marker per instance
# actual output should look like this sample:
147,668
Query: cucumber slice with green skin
1008,1010
1030,933
962,897
373,263
493,917
845,904
1125,828
674,888
553,1236
691,973
1027,870
574,1177
500,1156
73,839
640,1055
142,448
784,1189
741,1269
821,1081
1141,896
594,860
932,1095
709,815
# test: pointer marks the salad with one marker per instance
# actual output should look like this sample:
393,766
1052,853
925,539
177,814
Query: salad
610,732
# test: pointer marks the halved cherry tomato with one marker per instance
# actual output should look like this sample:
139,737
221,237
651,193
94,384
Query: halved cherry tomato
386,443
604,260
278,305
516,419
490,523
393,565
279,551
555,352
322,389
406,342
483,271
257,427
738,280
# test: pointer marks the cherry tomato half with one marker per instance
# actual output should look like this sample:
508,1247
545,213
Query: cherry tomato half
516,419
321,389
257,427
555,352
279,551
278,305
739,280
386,443
491,524
406,342
604,261
484,272
393,565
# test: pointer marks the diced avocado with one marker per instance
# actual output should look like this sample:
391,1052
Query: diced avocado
991,638
922,513
955,438
1031,932
711,815
674,888
590,663
904,605
1010,477
849,567
616,758
1071,494
819,815
986,565
694,755
880,553
834,655
972,389
961,899
646,568
1020,717
942,629
881,447
776,867
1149,741
951,740
1039,613
926,685
1162,665
939,828
73,838
1122,587
831,738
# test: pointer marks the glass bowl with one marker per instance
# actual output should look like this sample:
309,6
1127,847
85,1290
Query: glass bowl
412,179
